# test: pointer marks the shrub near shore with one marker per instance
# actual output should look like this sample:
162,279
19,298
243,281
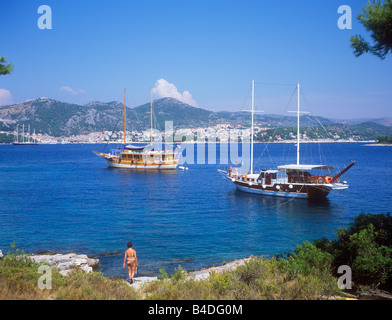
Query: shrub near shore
300,277
19,278
366,246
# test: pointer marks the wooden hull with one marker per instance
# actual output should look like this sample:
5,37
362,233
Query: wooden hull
300,191
147,166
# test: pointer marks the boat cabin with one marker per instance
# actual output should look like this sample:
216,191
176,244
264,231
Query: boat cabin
139,155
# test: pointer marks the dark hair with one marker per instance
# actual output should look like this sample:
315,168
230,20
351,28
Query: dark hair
129,244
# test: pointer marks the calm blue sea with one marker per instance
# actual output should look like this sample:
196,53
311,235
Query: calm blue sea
64,198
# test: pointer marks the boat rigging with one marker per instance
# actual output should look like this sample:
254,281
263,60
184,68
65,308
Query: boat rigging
290,181
141,157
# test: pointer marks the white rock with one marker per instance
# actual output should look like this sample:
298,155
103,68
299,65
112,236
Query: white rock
67,262
1,255
65,272
139,282
204,274
87,269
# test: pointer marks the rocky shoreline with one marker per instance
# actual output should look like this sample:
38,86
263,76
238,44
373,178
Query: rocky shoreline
67,262
64,262
201,274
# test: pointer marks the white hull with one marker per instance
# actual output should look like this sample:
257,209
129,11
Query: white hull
273,193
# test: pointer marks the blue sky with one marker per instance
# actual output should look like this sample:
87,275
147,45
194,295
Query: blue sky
206,52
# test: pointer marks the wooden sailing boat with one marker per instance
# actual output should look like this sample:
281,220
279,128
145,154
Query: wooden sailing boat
141,157
291,181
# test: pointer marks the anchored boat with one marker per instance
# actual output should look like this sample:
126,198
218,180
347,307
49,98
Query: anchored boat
297,180
22,140
142,157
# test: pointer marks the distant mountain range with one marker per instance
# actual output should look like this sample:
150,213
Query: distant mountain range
58,118
383,121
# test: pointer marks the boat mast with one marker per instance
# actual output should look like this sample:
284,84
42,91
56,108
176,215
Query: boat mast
251,133
298,126
125,117
17,133
151,114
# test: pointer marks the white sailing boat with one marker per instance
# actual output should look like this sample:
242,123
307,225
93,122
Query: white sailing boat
292,181
22,139
142,157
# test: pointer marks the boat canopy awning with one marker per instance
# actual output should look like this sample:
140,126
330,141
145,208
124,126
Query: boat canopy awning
270,171
303,167
133,147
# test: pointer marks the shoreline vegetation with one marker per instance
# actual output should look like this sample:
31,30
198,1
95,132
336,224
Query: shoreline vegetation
311,271
384,141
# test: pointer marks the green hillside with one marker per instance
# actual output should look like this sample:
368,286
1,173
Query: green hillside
57,118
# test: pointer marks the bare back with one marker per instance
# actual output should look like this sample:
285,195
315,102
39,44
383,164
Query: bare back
131,255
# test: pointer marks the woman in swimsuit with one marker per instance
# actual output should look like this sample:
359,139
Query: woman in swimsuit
130,257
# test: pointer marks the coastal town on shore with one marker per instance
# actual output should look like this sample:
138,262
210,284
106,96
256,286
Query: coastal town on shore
221,133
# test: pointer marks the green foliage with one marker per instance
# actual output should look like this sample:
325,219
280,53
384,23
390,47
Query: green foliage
307,259
19,280
179,275
162,274
376,17
362,131
258,278
94,286
18,266
381,222
5,68
366,246
370,126
384,139
19,277
286,278
373,262
220,282
7,138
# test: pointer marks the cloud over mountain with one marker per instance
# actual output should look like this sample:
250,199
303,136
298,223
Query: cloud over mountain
165,89
72,91
5,97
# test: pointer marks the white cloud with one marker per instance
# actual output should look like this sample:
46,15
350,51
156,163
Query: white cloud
72,91
5,97
166,89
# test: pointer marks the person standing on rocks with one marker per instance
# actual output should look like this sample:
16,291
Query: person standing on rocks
131,259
